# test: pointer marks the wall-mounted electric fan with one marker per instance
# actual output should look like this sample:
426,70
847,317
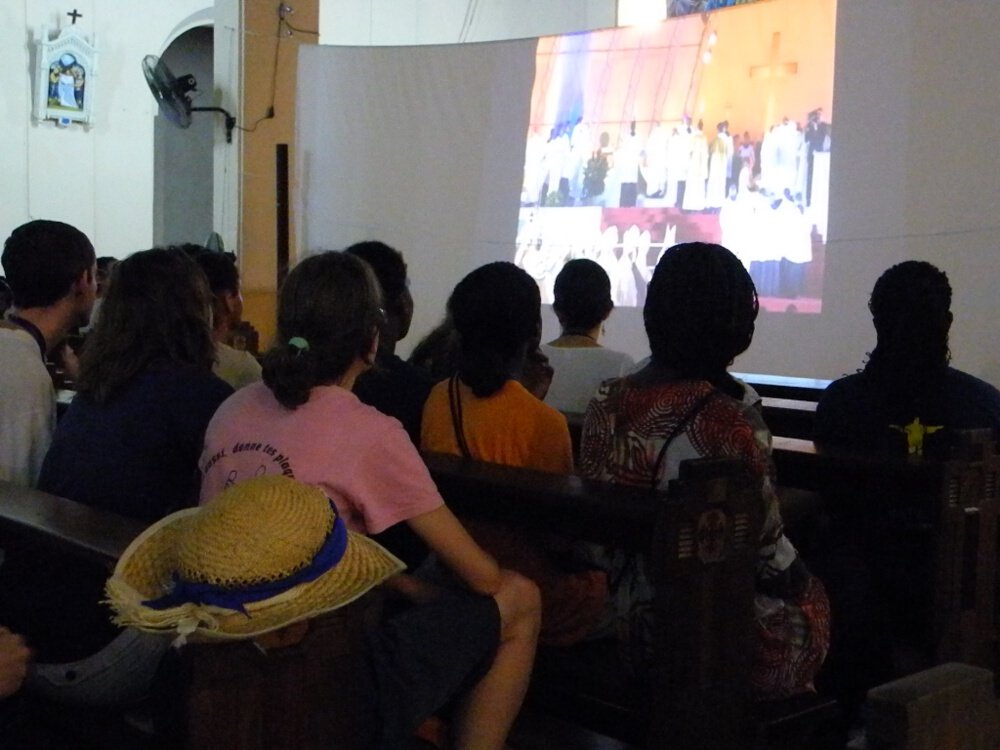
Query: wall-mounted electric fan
172,95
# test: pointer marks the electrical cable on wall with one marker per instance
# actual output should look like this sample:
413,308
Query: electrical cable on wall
284,31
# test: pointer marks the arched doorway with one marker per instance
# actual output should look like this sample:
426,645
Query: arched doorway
182,161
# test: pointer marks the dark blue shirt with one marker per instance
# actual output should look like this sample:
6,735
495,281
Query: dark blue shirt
853,412
136,455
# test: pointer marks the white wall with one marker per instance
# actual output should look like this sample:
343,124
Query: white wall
99,178
391,22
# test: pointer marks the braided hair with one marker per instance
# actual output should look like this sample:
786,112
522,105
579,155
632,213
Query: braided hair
496,311
328,314
700,309
911,310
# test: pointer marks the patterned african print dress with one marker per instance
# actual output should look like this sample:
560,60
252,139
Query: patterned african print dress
626,427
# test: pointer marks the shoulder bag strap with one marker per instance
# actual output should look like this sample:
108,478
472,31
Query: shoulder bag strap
678,428
455,401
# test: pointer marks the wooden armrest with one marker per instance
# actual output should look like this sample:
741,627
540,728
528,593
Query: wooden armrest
65,524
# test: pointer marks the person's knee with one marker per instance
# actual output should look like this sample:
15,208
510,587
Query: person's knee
520,604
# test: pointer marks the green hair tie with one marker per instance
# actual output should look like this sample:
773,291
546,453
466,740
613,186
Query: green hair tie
299,343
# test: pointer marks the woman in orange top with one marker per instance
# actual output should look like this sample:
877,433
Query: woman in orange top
496,312
484,413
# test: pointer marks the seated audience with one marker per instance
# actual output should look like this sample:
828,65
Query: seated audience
392,386
699,314
582,304
484,412
51,273
907,390
128,443
130,440
238,368
303,421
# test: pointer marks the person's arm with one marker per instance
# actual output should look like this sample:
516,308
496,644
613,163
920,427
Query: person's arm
14,658
445,535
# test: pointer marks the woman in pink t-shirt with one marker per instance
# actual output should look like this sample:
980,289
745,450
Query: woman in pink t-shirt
303,421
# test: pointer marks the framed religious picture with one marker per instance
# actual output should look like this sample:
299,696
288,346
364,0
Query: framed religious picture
65,76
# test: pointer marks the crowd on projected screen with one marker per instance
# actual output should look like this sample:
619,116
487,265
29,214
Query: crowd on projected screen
767,199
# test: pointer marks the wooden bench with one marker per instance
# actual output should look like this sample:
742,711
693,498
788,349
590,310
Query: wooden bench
781,386
789,417
933,521
698,695
235,694
951,705
300,696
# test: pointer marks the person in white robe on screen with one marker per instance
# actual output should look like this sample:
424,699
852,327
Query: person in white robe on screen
627,166
678,161
655,169
719,163
697,174
534,168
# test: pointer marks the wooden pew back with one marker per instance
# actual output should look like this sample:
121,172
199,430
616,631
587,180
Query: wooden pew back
700,540
309,695
933,519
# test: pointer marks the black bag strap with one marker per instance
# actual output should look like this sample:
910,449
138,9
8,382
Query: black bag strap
455,401
678,429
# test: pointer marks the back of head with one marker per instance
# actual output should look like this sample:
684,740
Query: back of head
42,259
387,263
496,312
390,270
220,270
328,315
911,310
582,296
700,309
156,314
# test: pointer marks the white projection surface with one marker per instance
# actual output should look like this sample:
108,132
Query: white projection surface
426,148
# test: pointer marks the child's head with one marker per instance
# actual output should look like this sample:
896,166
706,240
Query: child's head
329,312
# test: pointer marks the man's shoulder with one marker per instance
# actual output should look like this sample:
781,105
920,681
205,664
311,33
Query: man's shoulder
846,387
15,338
969,388
961,379
21,361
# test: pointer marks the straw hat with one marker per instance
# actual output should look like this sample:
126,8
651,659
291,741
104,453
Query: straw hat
263,554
